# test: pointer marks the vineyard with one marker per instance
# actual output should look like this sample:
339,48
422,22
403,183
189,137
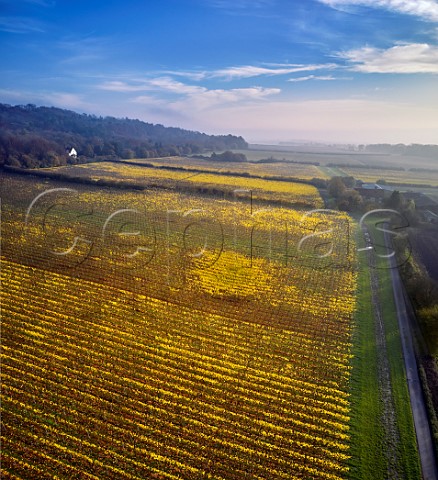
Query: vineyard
166,335
396,177
280,168
288,192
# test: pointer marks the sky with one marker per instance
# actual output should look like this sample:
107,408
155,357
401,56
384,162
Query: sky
333,71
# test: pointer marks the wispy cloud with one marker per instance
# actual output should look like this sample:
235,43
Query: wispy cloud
20,25
218,97
248,71
201,108
313,77
173,86
85,49
123,87
410,58
195,76
425,9
178,95
148,100
166,83
206,107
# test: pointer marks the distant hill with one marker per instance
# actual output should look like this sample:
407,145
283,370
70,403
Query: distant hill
32,137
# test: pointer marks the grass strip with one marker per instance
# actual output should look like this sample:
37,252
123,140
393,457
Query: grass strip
367,436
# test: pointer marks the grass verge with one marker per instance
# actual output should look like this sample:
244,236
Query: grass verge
368,459
367,437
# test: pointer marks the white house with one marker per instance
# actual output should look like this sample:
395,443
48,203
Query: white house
73,153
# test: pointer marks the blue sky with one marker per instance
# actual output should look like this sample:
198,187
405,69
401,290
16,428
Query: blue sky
358,71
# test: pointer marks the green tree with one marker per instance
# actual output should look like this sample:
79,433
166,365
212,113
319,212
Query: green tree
128,153
395,201
336,187
349,182
88,151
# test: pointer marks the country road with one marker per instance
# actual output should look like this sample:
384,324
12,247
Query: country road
422,428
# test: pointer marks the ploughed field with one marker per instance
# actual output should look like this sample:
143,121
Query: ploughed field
164,335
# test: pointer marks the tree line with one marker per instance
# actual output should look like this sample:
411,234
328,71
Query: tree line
32,137
415,149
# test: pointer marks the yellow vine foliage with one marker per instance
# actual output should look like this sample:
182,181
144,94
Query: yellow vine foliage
225,364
